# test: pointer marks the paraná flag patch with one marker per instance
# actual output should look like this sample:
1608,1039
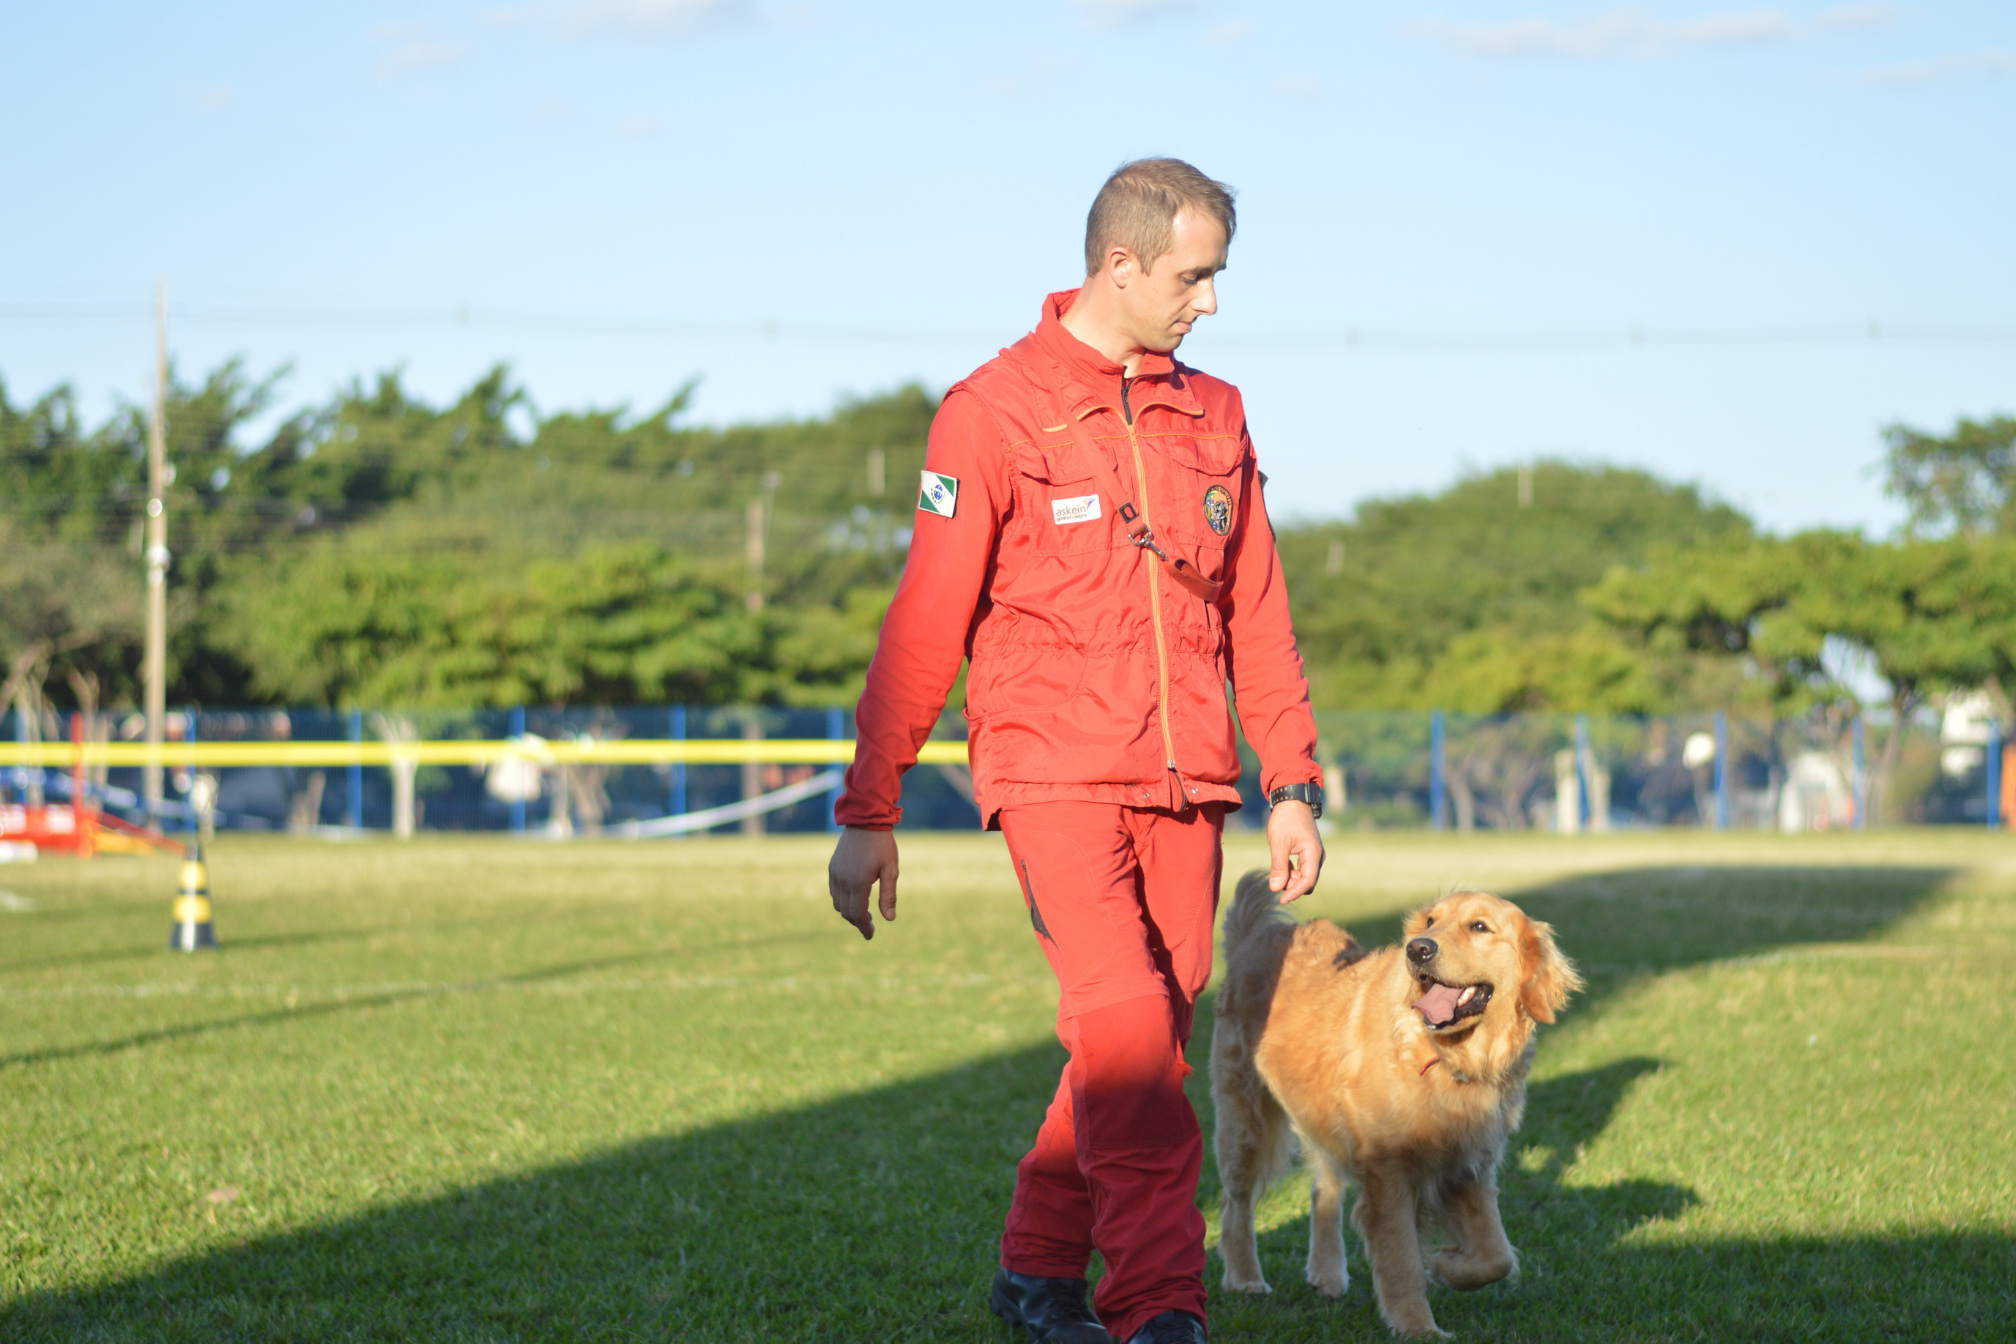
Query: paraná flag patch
939,495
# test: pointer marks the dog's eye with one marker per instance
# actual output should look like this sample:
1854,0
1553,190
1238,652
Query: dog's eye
1479,926
1430,924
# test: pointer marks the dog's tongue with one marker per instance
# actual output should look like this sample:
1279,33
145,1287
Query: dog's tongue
1438,1005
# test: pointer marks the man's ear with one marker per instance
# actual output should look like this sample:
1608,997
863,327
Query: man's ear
1122,266
1547,978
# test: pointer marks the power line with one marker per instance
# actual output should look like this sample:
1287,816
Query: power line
467,318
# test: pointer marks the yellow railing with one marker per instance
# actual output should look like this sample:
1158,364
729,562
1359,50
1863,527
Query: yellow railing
541,751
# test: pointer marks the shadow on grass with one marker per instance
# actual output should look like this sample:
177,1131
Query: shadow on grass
874,1216
362,933
1585,1276
357,1002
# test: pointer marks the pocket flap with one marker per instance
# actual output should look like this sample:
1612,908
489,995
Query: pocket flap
1216,456
1057,464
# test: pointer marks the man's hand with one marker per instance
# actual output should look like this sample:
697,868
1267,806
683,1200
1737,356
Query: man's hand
1294,849
864,858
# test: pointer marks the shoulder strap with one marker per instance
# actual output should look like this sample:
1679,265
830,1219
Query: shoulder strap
1122,501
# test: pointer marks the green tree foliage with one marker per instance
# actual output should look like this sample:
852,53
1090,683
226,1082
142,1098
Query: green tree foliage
1931,615
632,623
1468,599
377,550
1962,482
380,550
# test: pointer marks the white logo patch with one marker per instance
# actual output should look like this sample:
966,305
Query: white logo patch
938,494
1082,509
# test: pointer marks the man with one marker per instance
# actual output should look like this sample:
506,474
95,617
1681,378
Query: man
1090,534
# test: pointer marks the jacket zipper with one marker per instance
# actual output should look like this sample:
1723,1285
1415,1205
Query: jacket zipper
1154,583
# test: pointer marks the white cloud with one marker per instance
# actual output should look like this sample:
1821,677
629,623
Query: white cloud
623,20
1120,13
1634,31
1032,79
1296,85
1227,33
1994,61
1857,16
207,97
639,128
411,47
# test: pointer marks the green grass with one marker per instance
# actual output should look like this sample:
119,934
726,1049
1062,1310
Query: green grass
483,1090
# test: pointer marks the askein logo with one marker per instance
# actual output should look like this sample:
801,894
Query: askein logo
1078,509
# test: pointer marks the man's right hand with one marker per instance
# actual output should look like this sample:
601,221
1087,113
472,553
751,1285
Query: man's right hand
860,860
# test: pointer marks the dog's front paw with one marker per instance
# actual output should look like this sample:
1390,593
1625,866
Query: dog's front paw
1331,1282
1467,1273
1245,1283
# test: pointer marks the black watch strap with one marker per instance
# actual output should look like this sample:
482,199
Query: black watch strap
1311,794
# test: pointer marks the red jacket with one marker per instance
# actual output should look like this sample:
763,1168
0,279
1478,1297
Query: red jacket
1093,676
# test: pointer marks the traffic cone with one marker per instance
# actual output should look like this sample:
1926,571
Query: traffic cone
192,929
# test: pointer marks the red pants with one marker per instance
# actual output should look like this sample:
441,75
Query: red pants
1123,901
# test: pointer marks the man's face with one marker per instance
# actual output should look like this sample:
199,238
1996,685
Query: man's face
1161,305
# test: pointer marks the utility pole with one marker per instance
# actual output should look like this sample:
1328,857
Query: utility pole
156,670
753,599
752,724
760,509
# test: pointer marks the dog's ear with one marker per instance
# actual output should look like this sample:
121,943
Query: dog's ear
1549,978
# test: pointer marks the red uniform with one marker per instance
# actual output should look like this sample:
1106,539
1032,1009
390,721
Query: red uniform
1101,743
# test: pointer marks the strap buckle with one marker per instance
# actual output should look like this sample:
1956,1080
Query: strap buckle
1147,542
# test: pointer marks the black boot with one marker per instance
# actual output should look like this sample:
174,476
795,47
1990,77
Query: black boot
1171,1327
1054,1311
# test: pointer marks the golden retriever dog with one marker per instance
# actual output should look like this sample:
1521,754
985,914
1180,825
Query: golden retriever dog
1403,1071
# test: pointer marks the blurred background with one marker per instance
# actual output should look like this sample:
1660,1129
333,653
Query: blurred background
1635,384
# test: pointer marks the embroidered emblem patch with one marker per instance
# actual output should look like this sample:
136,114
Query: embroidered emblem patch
1079,509
1218,509
939,495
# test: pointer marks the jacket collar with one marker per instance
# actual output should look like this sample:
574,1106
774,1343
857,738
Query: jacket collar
1091,379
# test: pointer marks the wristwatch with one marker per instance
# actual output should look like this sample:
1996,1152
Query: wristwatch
1311,794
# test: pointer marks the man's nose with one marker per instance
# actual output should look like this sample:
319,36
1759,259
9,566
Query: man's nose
1207,299
1421,951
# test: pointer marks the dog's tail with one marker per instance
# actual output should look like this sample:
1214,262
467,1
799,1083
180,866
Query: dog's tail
1254,908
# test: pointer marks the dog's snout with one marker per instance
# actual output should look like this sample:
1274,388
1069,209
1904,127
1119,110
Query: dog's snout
1421,951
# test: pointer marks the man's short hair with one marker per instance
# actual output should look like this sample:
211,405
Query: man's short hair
1137,209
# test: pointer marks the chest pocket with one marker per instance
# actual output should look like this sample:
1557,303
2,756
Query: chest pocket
1202,504
1057,494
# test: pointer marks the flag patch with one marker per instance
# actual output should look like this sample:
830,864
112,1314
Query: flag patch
1080,509
939,495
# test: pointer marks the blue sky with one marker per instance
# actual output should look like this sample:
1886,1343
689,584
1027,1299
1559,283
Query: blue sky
1454,216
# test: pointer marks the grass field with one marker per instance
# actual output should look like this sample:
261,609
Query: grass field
481,1090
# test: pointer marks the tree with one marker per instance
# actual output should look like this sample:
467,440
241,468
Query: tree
1382,600
1733,605
1934,615
1964,482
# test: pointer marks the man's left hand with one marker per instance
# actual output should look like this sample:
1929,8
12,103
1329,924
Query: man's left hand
1294,849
